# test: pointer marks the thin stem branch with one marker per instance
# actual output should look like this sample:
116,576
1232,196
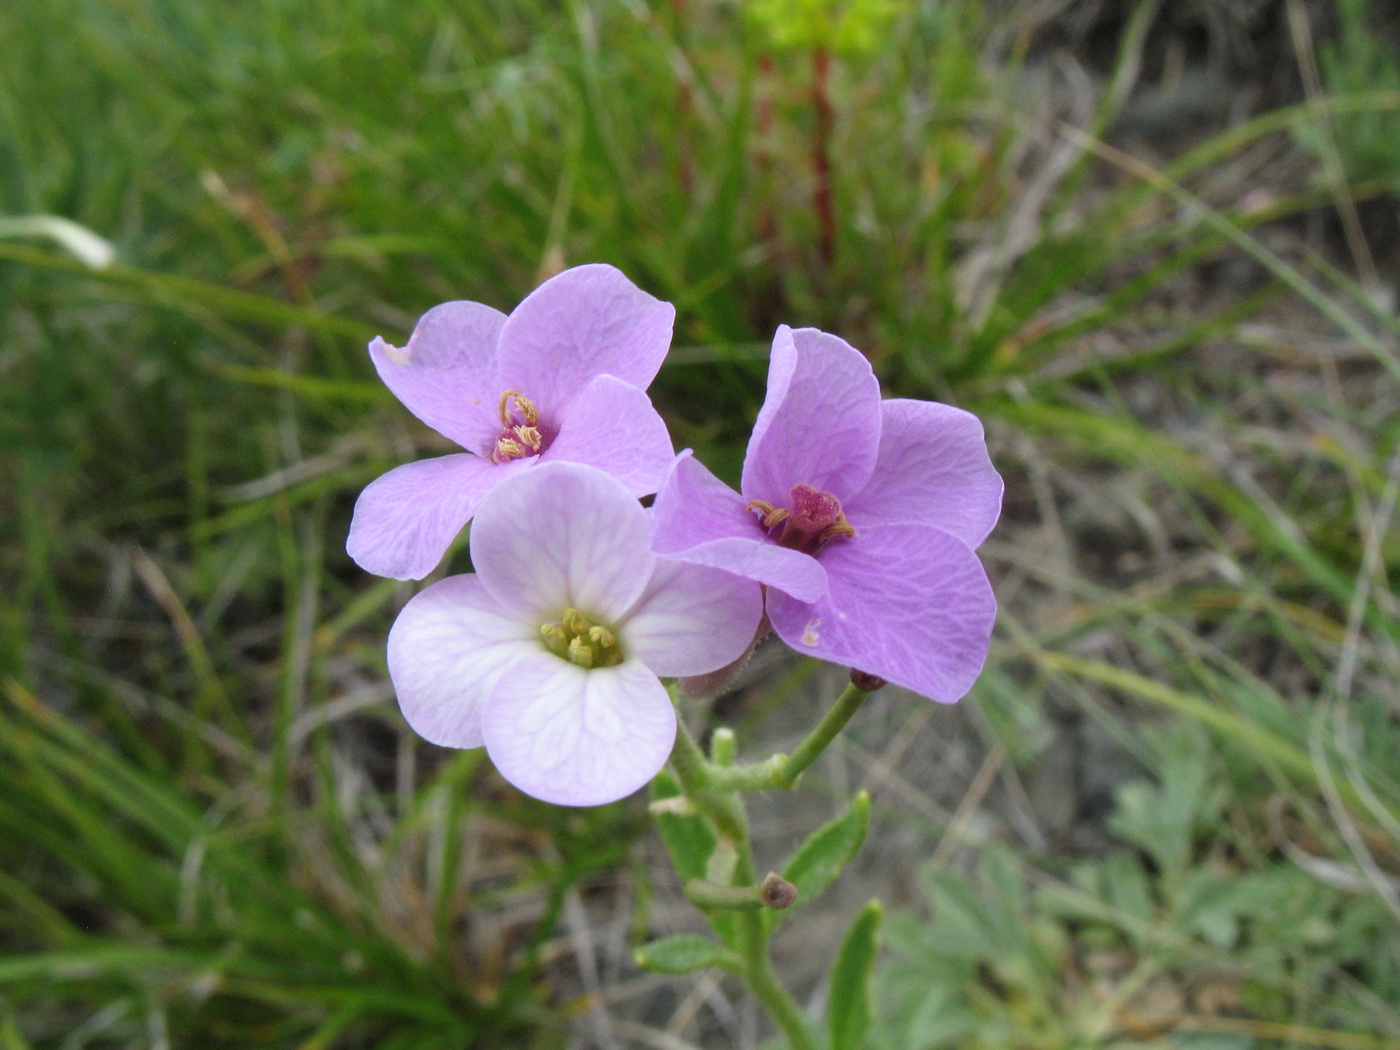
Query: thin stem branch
711,895
847,704
821,152
725,809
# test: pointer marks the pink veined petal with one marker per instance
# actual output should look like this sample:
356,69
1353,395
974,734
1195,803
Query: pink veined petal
691,619
820,421
586,322
562,535
447,650
699,519
406,519
909,603
446,375
575,737
933,469
612,425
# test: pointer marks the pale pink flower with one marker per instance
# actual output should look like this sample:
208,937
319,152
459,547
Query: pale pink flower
549,655
562,378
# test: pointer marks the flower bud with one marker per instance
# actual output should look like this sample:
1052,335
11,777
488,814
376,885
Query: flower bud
865,681
776,892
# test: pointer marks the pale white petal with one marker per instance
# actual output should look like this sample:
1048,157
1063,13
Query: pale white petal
562,535
447,650
691,619
578,737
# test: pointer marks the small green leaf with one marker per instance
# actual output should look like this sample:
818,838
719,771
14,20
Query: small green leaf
691,844
688,838
820,859
684,954
849,1007
10,1037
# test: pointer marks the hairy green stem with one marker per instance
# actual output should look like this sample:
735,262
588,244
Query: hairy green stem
782,771
712,896
725,809
847,704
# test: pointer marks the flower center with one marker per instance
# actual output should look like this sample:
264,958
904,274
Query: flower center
582,640
814,519
522,433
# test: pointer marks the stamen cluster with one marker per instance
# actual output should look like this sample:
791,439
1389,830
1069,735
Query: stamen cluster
814,520
582,640
521,435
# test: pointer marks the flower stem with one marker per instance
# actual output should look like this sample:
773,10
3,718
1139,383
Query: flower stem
712,896
847,704
725,809
781,771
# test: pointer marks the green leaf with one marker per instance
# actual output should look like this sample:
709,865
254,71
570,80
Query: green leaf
849,1009
10,1037
820,859
689,840
685,953
691,843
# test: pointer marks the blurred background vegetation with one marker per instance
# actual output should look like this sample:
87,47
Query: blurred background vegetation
1153,245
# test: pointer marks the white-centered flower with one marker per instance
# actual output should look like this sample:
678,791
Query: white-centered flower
549,655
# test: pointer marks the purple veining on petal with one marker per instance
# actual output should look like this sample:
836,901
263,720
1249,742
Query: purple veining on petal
909,603
550,655
820,422
562,378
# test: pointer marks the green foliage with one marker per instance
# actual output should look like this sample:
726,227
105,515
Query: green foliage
848,1001
850,28
684,954
822,855
1014,957
174,911
1361,61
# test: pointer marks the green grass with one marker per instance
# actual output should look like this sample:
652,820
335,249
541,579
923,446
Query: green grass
214,829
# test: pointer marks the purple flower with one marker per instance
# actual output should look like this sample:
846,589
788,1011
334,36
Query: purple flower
860,515
561,378
549,654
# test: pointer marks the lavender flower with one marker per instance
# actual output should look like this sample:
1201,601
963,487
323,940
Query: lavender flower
860,515
562,378
550,654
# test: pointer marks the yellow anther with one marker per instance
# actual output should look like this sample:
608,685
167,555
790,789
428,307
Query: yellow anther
523,405
839,527
508,449
529,437
771,514
581,640
579,653
556,639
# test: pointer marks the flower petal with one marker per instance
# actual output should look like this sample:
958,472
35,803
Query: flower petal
699,519
562,535
406,519
586,322
612,425
909,603
446,375
447,650
820,421
576,737
691,619
933,469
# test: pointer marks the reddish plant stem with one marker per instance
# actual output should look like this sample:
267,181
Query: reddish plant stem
821,152
685,108
765,222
